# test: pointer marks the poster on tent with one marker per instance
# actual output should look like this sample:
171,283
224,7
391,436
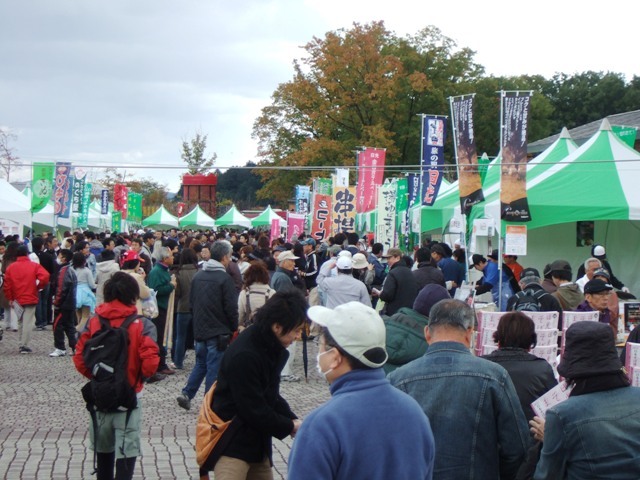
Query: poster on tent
370,176
302,199
515,240
83,217
514,206
116,221
386,228
469,182
62,192
120,199
79,175
295,226
42,174
432,162
343,209
321,217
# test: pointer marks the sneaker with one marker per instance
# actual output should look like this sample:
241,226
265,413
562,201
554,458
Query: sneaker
289,378
58,353
25,350
184,401
41,328
156,377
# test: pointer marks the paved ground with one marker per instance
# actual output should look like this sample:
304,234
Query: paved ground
44,425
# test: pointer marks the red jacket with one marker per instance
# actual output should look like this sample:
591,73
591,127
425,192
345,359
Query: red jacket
20,281
143,356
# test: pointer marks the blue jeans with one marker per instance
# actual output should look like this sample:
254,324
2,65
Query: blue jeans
207,364
183,322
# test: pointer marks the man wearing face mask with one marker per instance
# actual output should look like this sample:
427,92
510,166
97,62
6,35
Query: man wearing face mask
355,434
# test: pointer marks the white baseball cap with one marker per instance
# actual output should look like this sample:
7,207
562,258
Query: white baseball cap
356,328
344,253
344,263
288,255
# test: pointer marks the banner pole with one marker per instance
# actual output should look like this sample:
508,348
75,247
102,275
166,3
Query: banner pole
502,95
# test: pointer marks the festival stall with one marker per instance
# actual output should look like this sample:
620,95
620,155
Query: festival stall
265,218
233,218
160,219
197,218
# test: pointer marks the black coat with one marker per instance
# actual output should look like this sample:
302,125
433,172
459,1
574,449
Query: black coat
548,302
249,387
532,376
400,289
427,274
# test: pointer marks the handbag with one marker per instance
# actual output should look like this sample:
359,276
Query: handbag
212,434
150,305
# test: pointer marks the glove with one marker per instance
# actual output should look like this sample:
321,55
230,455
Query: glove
625,290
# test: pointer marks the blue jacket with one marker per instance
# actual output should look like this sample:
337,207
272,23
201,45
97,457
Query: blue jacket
593,436
476,418
367,430
491,275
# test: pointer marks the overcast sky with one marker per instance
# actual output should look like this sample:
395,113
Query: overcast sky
124,82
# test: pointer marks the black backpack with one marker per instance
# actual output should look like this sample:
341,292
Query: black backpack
528,301
105,356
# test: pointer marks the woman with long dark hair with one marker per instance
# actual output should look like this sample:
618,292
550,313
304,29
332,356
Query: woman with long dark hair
184,319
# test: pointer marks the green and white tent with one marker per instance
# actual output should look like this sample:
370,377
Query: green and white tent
197,218
233,218
264,218
96,219
161,219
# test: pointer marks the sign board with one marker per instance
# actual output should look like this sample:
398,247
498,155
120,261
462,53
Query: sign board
515,240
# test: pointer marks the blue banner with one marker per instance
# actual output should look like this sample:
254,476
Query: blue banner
104,205
303,193
433,137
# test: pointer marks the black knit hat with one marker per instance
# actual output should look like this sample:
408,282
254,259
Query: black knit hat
589,351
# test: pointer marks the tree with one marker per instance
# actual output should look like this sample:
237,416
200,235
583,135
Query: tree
239,185
363,86
193,154
153,193
8,160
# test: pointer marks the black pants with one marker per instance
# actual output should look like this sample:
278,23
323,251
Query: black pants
160,322
64,323
124,467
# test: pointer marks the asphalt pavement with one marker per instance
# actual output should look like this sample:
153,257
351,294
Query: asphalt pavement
44,424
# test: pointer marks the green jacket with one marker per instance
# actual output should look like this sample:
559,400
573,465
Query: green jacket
405,337
160,280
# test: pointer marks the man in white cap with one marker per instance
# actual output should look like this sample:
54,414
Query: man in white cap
343,287
367,430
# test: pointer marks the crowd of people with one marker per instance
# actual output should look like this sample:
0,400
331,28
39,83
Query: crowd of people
409,399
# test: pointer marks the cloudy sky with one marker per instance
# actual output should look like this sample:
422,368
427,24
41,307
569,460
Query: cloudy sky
124,82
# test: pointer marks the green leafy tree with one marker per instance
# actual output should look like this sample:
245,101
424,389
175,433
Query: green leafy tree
239,185
193,154
153,193
363,86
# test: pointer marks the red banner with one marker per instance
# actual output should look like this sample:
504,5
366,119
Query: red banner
295,226
370,176
181,206
120,199
321,219
275,228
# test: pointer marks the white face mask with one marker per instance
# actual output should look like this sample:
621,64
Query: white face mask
58,261
319,368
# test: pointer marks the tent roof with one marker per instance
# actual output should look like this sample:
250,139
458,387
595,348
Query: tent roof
233,218
161,218
197,217
265,217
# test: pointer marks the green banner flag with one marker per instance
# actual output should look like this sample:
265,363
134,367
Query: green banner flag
116,221
134,207
83,218
42,185
483,166
324,186
626,134
402,203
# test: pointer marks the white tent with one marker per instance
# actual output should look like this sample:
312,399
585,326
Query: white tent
13,205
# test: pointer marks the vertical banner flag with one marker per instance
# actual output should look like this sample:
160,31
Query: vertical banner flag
275,228
295,226
370,176
402,205
413,194
323,186
120,198
514,206
62,190
79,175
116,221
302,199
134,207
83,218
321,222
180,208
343,207
433,138
342,177
467,158
42,185
104,202
626,134
385,231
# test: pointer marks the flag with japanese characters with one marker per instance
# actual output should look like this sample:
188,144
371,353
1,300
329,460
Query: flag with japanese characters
295,226
302,199
42,186
321,217
62,192
370,175
343,208
79,175
433,138
120,199
386,228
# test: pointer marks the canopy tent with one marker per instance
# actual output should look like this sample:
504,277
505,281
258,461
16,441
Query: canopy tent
233,218
197,218
44,219
161,218
96,219
13,206
264,218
